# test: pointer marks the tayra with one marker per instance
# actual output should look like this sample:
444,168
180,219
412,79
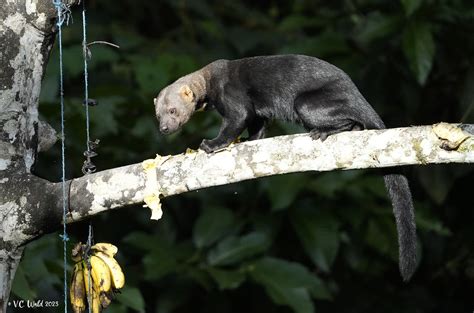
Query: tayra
296,88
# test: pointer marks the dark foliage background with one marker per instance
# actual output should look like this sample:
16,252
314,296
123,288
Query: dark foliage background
301,243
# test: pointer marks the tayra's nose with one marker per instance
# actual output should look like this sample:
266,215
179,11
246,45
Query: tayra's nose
164,129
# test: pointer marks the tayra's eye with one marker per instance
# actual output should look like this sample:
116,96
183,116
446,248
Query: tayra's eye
173,111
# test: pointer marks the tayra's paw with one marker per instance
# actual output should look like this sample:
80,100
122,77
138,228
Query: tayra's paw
207,146
316,134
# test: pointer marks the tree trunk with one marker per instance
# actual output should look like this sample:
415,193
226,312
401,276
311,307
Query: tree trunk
9,261
27,31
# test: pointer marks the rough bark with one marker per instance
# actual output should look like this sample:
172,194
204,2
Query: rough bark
27,30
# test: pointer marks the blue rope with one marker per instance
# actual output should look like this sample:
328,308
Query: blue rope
62,15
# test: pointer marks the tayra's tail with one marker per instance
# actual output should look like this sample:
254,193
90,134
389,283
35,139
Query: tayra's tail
399,192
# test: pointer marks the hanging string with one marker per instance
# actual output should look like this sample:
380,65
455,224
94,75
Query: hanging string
63,14
88,166
86,74
88,264
91,146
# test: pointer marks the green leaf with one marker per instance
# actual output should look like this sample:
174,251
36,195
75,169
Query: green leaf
376,26
296,298
151,74
244,40
438,182
288,283
73,61
467,95
126,38
427,220
269,224
419,48
227,279
382,236
211,225
184,64
328,43
141,240
165,232
166,258
297,22
234,249
105,117
21,287
288,275
36,255
49,89
331,183
172,298
102,54
158,264
212,29
117,308
132,298
283,189
144,127
410,6
163,256
432,225
319,234
199,276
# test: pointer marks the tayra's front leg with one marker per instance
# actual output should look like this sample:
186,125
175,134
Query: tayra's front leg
230,130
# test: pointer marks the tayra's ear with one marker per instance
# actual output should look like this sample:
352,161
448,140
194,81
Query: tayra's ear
186,93
154,101
201,107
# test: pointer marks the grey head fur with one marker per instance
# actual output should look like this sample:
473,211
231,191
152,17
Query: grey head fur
176,103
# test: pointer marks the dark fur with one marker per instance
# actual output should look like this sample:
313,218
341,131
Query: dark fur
302,89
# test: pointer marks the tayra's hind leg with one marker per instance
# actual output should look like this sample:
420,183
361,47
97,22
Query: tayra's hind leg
324,133
256,129
324,117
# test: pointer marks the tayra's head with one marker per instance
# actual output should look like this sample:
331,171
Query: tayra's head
174,106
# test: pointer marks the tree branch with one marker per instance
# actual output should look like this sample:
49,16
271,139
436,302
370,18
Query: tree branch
173,175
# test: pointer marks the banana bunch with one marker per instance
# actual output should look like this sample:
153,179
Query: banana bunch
94,281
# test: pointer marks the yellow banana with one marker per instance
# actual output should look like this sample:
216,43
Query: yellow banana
105,299
95,301
118,278
91,290
94,285
107,248
100,274
88,282
77,292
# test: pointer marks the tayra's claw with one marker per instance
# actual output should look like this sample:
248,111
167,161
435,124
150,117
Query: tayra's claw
206,146
317,134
